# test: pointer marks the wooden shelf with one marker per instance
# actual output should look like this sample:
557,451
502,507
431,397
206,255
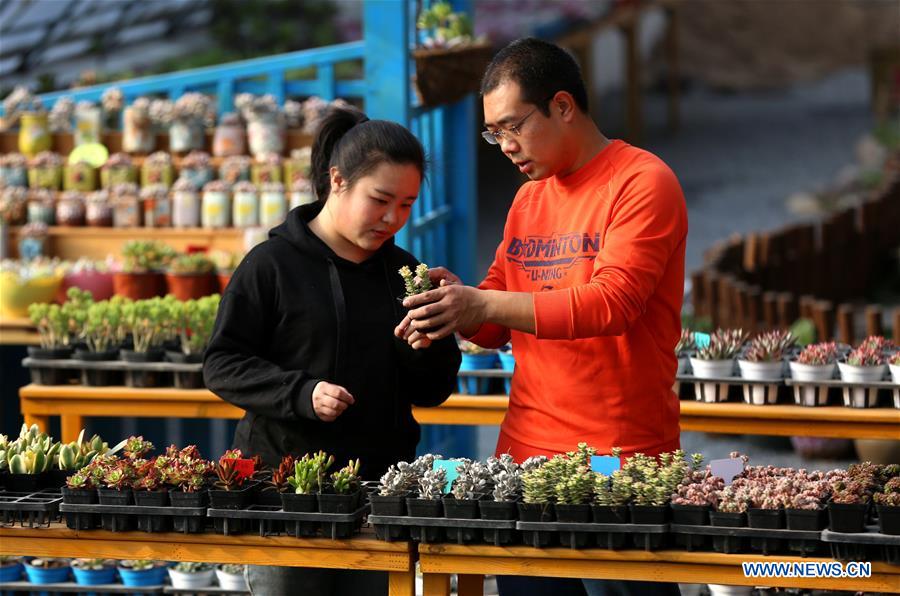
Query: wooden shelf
72,243
73,402
18,331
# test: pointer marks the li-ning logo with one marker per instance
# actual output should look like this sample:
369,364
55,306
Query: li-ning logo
546,258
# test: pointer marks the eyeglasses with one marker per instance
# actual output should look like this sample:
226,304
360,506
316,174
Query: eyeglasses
495,136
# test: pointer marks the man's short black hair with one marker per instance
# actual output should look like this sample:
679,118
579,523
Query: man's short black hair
541,69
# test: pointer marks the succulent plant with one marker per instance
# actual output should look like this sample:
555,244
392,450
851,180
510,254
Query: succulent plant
418,282
80,453
732,500
538,486
136,447
685,342
723,345
505,476
52,324
894,360
148,476
346,480
577,487
471,480
432,483
138,564
890,495
279,480
699,489
190,567
140,256
227,475
818,354
398,480
32,452
309,473
865,355
770,346
119,475
191,264
877,342
232,568
92,564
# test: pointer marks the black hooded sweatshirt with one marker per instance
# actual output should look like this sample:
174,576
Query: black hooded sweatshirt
295,314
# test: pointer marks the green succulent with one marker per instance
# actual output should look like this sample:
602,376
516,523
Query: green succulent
141,256
52,324
346,480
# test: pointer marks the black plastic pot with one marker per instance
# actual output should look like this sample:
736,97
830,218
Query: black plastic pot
461,509
142,378
186,380
300,503
185,523
847,517
692,515
888,519
49,376
116,522
80,521
611,514
766,519
537,512
329,503
26,483
573,514
99,378
812,520
502,510
728,544
150,522
648,514
391,505
231,499
425,508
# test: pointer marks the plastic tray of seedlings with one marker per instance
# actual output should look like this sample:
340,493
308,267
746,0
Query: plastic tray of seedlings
125,518
870,545
579,535
336,526
431,530
30,509
764,540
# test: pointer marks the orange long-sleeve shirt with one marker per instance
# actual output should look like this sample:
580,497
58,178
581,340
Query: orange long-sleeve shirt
602,251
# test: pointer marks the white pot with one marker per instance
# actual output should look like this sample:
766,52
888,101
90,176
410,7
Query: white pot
712,369
761,371
861,374
895,373
722,590
184,580
811,395
229,581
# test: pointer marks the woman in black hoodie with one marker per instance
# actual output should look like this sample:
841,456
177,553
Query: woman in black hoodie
304,338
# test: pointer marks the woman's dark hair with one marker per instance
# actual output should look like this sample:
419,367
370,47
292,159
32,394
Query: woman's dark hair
540,69
348,140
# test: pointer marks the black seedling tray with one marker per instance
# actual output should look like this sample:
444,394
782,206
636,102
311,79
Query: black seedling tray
764,540
30,509
863,546
442,522
336,526
645,536
150,519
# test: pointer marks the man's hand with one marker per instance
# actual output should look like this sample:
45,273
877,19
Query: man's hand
437,313
330,400
441,276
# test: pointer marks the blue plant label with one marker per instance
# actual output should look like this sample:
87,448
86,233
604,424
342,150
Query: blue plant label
726,469
701,340
449,466
605,464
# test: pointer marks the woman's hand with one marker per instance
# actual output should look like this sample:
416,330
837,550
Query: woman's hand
330,400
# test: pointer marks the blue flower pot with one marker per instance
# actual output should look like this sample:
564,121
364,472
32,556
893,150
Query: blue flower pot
507,362
94,577
144,577
11,573
39,575
474,385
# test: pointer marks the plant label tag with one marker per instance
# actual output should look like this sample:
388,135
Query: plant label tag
701,340
244,467
605,464
449,466
726,469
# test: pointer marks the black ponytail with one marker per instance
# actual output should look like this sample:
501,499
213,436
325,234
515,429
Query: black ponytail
348,140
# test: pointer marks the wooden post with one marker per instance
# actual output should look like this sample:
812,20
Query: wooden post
770,309
739,305
726,302
754,308
846,334
807,303
873,320
698,293
823,316
787,310
711,293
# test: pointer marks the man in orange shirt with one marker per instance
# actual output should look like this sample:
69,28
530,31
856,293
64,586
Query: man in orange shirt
587,281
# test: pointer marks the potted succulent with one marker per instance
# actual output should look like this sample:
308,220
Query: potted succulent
28,458
506,478
190,276
94,572
226,263
716,361
187,576
306,481
47,571
81,489
230,489
244,205
277,483
116,489
887,503
449,60
10,568
815,363
150,491
234,169
462,501
428,503
148,322
266,168
215,206
101,330
344,496
187,473
865,364
53,329
574,492
390,498
231,577
141,573
45,170
118,169
683,350
186,130
157,169
539,479
142,269
764,361
805,507
851,496
79,453
696,495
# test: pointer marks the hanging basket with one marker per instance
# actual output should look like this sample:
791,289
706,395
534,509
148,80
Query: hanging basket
445,75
